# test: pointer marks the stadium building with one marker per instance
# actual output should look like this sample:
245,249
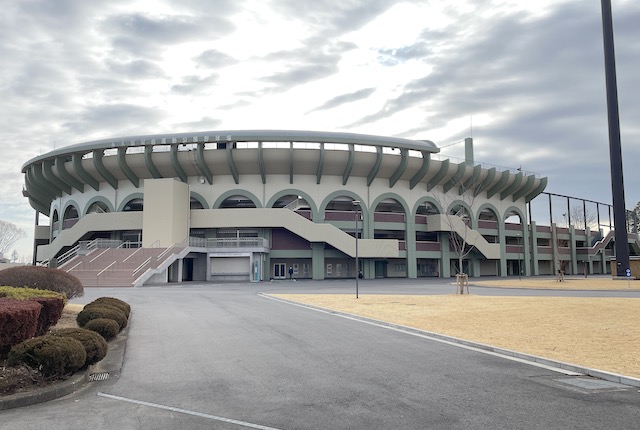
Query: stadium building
264,204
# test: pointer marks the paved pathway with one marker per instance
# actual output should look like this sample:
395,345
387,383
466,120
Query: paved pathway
220,356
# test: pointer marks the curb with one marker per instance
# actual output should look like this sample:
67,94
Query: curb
111,364
595,373
45,394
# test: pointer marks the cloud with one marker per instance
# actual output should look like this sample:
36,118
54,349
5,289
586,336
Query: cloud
214,59
345,98
103,119
142,36
195,84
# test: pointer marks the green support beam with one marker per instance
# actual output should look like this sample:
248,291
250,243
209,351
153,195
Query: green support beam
376,166
504,178
426,158
349,166
99,165
261,165
320,164
444,168
176,164
66,176
204,169
462,167
513,187
488,180
232,164
404,153
531,180
124,167
148,161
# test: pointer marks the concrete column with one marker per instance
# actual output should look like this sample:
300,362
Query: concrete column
535,269
410,240
317,260
445,255
574,253
468,151
502,268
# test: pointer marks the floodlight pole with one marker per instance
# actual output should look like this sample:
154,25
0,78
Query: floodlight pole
615,148
356,203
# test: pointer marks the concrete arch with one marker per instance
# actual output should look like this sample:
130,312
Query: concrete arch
393,196
236,192
292,191
198,197
128,199
68,204
340,193
100,199
472,218
517,211
421,201
489,206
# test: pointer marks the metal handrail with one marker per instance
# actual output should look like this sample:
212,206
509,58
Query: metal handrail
79,263
99,255
137,269
132,254
105,269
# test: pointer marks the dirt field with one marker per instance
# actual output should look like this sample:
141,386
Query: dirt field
600,333
569,283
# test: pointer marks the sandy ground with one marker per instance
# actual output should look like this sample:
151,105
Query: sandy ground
600,333
569,283
68,318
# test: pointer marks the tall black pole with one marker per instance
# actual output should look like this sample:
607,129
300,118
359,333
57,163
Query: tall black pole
615,149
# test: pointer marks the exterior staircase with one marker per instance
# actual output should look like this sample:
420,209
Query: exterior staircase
114,267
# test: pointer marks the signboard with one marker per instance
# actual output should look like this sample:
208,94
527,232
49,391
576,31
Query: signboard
628,272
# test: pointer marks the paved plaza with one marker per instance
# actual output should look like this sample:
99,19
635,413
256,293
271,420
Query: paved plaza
202,356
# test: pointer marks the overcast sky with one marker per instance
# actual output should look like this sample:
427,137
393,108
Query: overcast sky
525,79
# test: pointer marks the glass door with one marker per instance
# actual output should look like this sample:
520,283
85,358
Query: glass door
279,271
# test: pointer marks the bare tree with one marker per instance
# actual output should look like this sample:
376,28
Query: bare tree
9,234
457,219
14,256
582,217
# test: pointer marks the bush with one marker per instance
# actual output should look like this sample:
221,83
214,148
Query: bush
28,293
50,314
91,312
18,321
42,278
52,355
52,304
116,303
107,328
94,345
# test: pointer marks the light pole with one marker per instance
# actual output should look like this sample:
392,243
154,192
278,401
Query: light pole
356,203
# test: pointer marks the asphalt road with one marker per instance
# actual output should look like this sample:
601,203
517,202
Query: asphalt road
222,357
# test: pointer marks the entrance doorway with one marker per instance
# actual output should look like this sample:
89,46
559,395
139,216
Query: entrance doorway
279,271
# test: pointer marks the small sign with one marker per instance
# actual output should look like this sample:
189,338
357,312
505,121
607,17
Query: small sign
628,272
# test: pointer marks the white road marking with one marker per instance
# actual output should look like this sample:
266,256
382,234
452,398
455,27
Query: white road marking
425,335
187,412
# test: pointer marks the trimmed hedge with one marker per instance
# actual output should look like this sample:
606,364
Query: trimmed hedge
91,312
28,293
42,278
94,345
50,314
18,321
52,304
52,355
106,328
112,301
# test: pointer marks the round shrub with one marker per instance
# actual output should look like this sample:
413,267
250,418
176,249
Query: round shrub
113,308
116,303
94,345
107,328
53,355
96,311
42,278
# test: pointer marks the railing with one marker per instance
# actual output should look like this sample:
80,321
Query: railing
239,242
143,264
102,271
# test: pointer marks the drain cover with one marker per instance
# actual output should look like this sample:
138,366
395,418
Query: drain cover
592,384
99,376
